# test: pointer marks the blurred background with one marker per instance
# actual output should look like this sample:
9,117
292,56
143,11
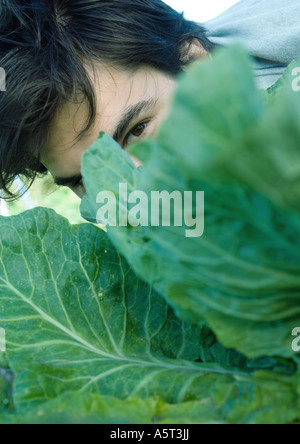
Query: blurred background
203,10
44,193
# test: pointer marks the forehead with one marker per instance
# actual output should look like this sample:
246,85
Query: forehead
115,91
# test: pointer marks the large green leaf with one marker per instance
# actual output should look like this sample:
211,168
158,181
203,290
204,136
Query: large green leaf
71,305
78,319
267,400
6,384
77,408
222,137
6,387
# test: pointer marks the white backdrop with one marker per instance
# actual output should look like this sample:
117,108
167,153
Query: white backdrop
201,10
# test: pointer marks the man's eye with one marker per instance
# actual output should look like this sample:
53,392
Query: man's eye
77,183
136,133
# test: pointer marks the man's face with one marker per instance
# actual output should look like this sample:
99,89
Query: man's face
130,106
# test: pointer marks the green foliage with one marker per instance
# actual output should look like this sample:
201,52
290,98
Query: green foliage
243,276
93,337
6,388
78,319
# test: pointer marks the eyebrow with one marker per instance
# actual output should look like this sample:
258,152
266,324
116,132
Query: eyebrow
131,113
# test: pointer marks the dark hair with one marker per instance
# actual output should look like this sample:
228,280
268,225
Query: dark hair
44,46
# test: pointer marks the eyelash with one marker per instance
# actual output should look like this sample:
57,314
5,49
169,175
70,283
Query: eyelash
142,124
77,183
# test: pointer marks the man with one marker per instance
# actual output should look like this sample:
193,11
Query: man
75,68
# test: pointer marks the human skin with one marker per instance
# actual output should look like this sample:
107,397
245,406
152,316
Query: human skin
146,93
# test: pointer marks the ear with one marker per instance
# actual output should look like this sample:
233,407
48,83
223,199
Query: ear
192,50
